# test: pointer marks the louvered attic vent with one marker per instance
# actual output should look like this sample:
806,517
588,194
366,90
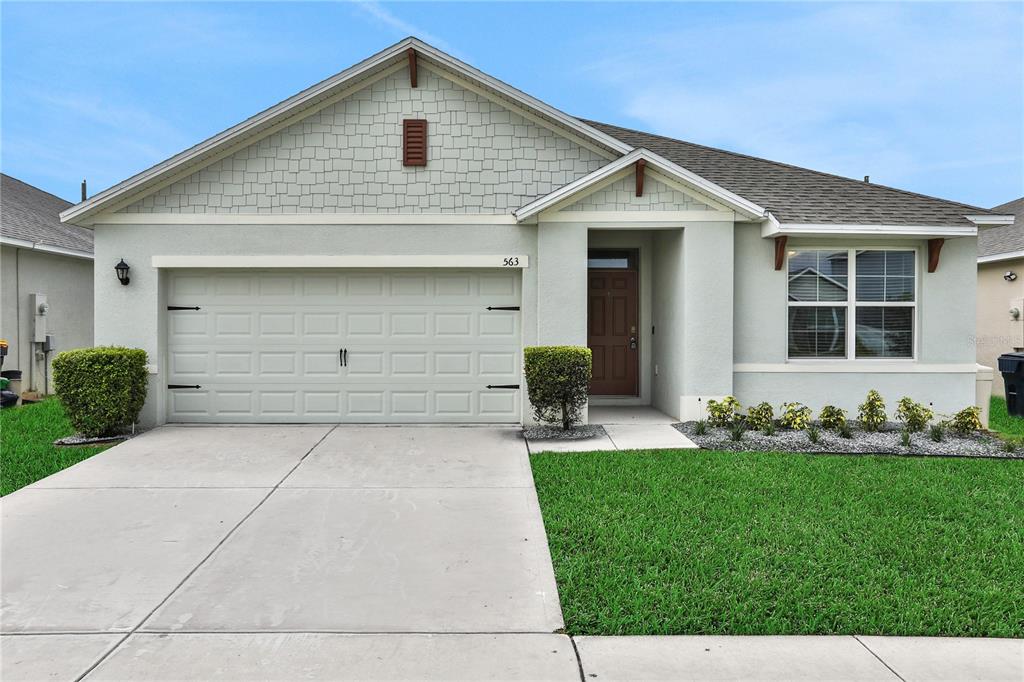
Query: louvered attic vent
414,142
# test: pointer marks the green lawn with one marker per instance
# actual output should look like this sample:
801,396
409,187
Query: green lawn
999,420
27,453
703,542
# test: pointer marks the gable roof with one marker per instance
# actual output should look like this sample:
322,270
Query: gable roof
737,203
799,195
30,218
256,126
1005,241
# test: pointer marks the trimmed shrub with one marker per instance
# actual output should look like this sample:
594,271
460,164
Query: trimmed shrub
759,417
102,389
871,412
914,415
967,420
795,416
723,412
832,417
556,382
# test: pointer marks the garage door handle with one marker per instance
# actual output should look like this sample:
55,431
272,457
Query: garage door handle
183,386
183,307
343,357
502,385
503,307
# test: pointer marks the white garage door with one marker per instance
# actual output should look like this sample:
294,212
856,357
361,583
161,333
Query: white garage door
344,346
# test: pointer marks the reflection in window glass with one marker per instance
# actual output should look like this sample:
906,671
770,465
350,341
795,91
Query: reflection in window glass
817,332
885,276
818,276
884,332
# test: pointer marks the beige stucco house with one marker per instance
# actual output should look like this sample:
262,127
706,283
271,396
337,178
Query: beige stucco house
381,246
1001,289
43,264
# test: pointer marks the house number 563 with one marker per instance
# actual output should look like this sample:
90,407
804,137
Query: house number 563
510,261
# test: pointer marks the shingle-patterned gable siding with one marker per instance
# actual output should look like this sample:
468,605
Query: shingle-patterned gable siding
621,196
800,195
347,158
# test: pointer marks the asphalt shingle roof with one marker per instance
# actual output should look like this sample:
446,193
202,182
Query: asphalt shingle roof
800,195
995,241
30,214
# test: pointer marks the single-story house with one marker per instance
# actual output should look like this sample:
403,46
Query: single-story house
1001,289
46,281
381,246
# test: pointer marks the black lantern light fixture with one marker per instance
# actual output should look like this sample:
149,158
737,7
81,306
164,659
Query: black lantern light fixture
122,272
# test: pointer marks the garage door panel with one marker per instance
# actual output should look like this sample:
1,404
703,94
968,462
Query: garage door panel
421,346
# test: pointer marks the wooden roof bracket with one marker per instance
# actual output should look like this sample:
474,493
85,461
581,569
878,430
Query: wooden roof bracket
780,251
934,247
641,164
412,66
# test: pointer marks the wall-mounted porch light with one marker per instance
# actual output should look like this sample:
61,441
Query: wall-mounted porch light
1010,276
122,272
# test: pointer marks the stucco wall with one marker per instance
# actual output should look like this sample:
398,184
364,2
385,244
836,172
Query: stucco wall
346,158
621,196
134,315
997,331
668,319
67,283
942,375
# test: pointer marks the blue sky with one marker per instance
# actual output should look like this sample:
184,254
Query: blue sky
924,96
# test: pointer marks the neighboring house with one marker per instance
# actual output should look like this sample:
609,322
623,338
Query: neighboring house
42,259
1001,290
381,247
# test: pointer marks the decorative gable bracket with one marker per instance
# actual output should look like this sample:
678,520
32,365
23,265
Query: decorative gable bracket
934,247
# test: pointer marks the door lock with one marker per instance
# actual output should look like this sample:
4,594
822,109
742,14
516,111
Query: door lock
632,343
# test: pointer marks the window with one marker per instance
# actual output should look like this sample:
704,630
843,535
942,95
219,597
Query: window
605,259
852,303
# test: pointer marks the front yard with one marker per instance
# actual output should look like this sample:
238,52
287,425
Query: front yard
27,453
707,542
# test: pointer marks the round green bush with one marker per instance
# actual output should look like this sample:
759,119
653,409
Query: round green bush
102,389
557,378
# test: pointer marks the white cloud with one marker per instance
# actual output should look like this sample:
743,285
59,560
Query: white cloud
384,16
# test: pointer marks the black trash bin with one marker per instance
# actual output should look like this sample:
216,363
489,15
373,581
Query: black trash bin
1011,366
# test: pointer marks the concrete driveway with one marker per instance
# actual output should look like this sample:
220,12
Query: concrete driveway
292,550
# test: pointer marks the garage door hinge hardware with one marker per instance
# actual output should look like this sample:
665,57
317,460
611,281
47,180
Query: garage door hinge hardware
503,307
183,386
183,307
502,385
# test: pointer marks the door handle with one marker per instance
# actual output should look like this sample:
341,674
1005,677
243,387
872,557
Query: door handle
632,343
343,357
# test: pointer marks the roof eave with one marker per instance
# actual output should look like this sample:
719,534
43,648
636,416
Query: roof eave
45,248
991,220
743,206
773,228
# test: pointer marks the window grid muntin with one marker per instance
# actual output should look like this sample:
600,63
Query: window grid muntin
852,304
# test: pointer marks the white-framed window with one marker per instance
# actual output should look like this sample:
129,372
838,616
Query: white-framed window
853,303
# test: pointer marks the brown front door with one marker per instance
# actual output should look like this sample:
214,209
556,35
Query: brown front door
612,332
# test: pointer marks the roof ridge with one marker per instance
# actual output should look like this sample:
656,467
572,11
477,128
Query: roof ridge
789,165
37,189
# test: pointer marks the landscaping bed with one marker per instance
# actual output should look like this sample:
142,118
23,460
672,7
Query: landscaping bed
711,542
887,440
27,452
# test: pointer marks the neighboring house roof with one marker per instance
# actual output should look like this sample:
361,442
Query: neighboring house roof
1005,241
30,218
800,195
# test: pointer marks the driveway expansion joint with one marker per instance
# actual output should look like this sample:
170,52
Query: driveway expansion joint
880,659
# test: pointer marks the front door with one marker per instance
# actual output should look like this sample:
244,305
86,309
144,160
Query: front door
612,331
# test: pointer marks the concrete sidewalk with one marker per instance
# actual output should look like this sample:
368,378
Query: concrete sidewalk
482,656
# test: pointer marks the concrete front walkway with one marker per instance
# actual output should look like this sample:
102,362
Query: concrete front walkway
625,428
269,538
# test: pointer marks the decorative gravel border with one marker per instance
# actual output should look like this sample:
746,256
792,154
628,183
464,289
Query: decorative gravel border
541,432
885,442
